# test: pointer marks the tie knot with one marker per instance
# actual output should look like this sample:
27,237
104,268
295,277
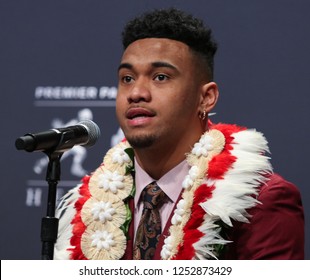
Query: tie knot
153,196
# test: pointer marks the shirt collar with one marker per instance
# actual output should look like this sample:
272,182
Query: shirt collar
170,183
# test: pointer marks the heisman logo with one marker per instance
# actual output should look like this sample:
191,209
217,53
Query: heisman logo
78,153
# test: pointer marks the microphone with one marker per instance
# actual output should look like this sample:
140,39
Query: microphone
85,133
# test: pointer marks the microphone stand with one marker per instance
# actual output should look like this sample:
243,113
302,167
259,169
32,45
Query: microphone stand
49,225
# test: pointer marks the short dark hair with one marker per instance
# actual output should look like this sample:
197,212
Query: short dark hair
176,25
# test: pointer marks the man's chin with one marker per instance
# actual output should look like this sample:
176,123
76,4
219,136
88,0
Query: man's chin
141,141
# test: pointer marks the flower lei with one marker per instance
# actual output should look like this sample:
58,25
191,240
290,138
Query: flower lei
105,214
101,224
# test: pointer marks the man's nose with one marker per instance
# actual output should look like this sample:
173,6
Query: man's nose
139,92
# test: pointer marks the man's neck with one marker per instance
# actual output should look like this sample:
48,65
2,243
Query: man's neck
158,159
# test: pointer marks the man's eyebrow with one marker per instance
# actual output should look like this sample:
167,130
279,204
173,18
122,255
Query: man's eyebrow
156,64
159,64
125,65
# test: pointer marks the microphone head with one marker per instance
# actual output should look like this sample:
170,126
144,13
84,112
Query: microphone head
93,132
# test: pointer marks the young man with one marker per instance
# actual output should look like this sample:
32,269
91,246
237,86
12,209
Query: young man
216,193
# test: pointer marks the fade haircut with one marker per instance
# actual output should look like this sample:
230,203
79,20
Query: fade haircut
176,25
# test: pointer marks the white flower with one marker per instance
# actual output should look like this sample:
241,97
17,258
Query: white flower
166,250
187,183
203,146
189,179
111,181
120,156
103,211
102,240
178,213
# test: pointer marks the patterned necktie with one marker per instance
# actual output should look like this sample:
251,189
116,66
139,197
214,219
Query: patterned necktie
149,228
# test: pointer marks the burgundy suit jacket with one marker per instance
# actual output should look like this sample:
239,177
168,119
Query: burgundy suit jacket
275,231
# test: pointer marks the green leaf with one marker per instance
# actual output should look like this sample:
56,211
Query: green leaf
130,153
125,226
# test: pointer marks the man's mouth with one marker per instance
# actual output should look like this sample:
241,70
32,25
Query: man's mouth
135,113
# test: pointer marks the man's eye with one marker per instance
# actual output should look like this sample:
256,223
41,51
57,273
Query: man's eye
127,79
161,77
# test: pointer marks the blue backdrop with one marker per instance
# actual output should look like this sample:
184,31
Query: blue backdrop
58,64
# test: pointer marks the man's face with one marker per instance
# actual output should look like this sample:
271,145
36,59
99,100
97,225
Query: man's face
159,90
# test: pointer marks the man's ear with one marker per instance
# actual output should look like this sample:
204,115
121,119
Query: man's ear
209,97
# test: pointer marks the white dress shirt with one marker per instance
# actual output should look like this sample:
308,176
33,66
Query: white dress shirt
170,183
